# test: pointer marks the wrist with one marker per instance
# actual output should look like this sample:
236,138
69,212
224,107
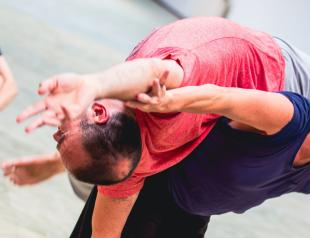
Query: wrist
55,163
171,103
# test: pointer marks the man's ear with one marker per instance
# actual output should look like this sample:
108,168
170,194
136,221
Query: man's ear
101,113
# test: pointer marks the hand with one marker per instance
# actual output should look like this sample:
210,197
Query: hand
157,100
66,96
32,169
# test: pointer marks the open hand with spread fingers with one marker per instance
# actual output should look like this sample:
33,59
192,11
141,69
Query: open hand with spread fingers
66,96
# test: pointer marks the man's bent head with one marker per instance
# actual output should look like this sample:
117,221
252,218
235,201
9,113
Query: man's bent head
103,146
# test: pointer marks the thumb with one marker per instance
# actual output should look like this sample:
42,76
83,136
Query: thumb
163,78
71,111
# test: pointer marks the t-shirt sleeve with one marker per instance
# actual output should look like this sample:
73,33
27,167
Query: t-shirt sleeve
233,62
299,124
184,57
129,187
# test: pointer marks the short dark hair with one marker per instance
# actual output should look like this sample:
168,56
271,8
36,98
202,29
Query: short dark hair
119,139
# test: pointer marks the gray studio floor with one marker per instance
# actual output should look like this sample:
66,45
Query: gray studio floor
41,38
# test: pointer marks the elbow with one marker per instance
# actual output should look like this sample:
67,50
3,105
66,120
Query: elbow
154,65
169,72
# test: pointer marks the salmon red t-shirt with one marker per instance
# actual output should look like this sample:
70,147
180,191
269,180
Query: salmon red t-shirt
210,50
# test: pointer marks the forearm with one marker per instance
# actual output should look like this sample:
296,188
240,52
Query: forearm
125,81
110,215
268,112
206,98
265,111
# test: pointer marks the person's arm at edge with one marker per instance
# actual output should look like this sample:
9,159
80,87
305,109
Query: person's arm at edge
8,88
110,215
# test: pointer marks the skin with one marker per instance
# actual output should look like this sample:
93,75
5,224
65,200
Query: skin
8,88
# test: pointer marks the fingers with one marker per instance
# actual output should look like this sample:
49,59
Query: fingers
70,111
47,104
41,122
12,176
51,118
48,118
52,114
50,109
144,98
8,168
67,111
8,171
15,179
164,90
156,88
164,77
31,111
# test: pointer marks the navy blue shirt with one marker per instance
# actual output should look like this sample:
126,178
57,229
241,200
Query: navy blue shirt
234,170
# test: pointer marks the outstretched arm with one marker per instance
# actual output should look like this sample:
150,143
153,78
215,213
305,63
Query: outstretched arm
68,95
8,88
125,81
265,111
110,215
